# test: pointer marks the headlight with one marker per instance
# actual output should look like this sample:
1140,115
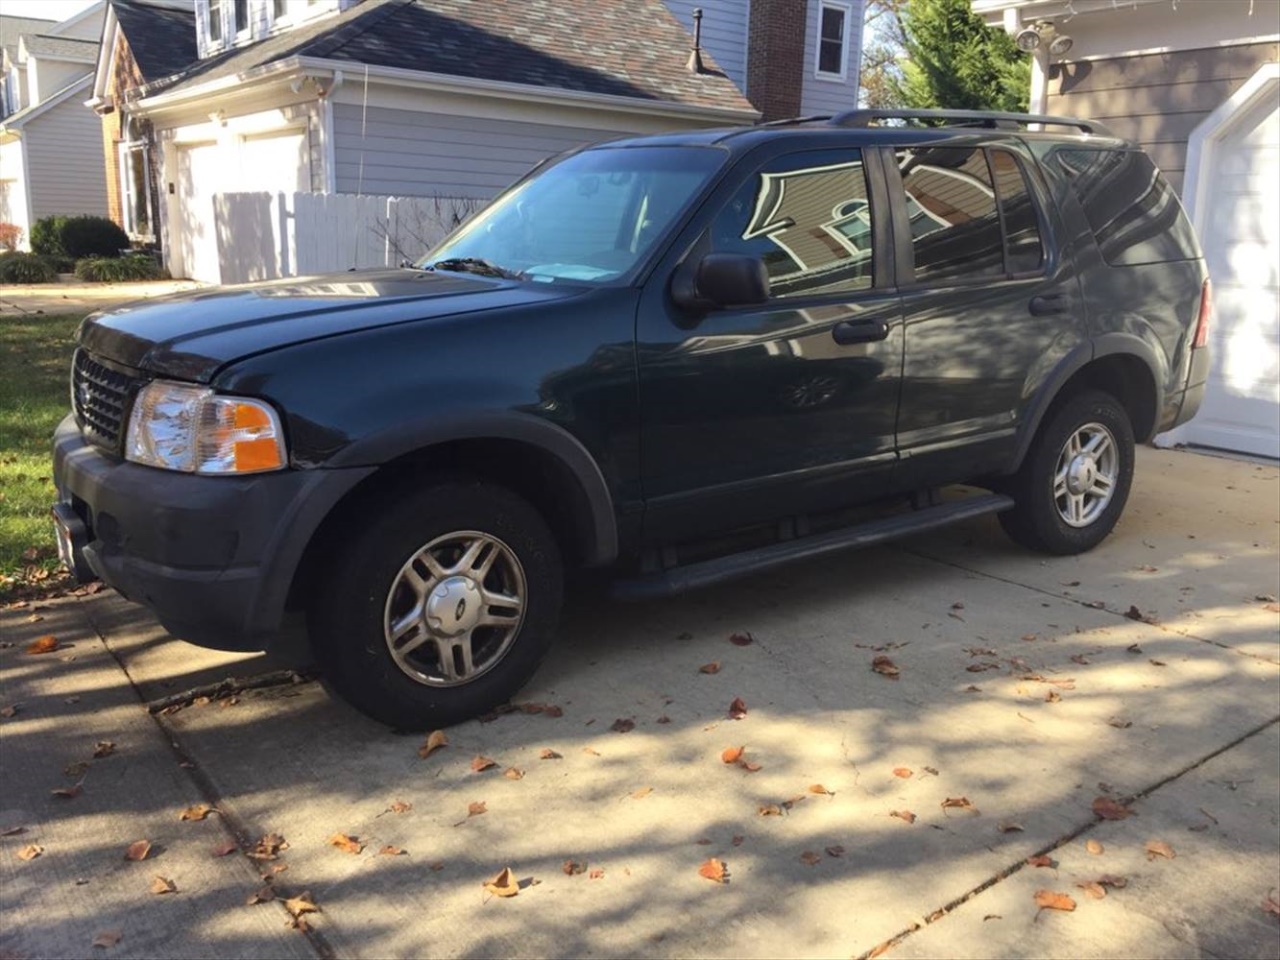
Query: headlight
180,427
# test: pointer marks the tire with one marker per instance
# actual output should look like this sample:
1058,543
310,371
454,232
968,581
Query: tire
408,564
1060,503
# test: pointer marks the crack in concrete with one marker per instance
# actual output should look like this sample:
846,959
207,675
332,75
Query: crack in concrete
229,687
947,908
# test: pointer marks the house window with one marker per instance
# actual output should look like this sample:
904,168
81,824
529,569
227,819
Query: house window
135,197
240,13
278,9
214,31
833,39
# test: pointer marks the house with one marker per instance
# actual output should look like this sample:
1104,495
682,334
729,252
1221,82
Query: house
48,157
1197,83
306,132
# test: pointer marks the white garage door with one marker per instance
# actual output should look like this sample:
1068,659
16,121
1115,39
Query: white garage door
1240,225
275,162
197,241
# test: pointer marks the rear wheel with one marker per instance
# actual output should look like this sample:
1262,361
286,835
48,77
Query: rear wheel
1075,480
440,607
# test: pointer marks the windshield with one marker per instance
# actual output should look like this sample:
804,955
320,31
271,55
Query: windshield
590,218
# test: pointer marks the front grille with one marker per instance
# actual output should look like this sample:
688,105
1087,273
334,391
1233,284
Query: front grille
99,396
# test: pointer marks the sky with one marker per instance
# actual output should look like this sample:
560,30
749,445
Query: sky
45,9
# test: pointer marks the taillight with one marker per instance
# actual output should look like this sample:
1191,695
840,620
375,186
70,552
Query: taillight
1202,320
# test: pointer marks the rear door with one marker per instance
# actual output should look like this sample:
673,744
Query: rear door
760,412
989,307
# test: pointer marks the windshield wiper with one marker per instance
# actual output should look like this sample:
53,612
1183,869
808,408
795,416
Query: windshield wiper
474,265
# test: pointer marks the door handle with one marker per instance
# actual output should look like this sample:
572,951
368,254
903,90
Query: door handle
1048,304
864,331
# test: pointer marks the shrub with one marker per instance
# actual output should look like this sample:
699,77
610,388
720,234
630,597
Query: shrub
89,236
59,263
10,234
135,266
24,268
46,236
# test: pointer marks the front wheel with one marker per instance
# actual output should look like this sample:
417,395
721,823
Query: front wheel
1075,480
440,607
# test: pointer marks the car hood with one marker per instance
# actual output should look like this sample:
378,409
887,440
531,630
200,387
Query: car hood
190,336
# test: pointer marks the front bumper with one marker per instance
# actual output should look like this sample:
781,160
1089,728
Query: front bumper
213,557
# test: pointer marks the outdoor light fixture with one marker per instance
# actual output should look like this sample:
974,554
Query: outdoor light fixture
1060,45
1030,39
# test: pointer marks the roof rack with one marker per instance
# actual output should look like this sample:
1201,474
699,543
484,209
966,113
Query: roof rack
787,121
968,118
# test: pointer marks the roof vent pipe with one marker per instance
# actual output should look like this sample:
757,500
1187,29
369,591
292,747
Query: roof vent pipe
695,55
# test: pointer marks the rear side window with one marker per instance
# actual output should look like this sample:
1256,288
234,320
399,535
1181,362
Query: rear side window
951,202
1133,212
1024,247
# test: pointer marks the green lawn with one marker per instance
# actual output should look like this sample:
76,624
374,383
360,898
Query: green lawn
35,359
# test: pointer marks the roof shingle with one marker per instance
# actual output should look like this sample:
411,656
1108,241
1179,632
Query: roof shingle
161,38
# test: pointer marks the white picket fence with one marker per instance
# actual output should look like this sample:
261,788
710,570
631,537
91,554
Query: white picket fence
264,236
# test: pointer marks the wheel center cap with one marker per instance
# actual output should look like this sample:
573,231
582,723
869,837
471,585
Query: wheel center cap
1081,474
454,606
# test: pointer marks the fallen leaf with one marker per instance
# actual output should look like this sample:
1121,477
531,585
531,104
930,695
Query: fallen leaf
11,831
1109,809
572,867
1158,848
199,812
1133,648
1053,696
750,766
1093,888
103,748
476,807
46,644
972,689
346,843
1030,636
737,840
436,866
1048,900
1271,903
1040,861
591,751
1157,663
513,773
714,870
301,904
138,850
641,793
1009,826
623,725
958,605
546,753
1133,613
1079,658
959,803
810,857
481,763
162,885
731,754
435,740
981,667
663,719
30,851
1110,880
1120,723
835,851
390,851
770,810
596,874
741,639
67,793
737,709
553,711
906,815
820,790
704,842
261,895
885,667
9,711
108,939
400,806
222,849
903,772
504,884
788,804
1094,847
268,848
712,667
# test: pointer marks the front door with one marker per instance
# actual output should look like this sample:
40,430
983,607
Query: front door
757,413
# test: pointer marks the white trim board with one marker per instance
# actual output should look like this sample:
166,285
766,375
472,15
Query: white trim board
1152,51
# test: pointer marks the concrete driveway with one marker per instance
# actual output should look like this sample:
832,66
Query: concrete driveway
888,815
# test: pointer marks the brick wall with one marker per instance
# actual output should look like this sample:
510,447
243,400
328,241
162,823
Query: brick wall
124,76
775,57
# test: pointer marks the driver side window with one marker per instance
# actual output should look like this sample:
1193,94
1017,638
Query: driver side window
808,217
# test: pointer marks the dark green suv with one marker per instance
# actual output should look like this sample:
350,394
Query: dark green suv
683,358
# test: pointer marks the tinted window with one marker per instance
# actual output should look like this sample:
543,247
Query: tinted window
955,230
807,217
1133,212
1023,247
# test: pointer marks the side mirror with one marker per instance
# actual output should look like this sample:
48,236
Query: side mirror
719,280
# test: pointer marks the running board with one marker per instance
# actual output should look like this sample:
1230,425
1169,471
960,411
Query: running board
708,572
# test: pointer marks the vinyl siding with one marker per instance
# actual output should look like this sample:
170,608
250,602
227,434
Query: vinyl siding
1157,99
822,96
410,154
724,32
64,150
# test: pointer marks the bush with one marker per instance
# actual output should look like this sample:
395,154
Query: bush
59,263
92,237
46,237
24,268
10,234
136,266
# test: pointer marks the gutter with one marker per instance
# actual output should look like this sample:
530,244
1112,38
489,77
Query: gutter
439,82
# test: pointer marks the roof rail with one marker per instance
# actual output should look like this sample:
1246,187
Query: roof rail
787,121
972,118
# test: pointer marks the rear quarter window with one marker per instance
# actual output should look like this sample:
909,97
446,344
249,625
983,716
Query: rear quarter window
1133,212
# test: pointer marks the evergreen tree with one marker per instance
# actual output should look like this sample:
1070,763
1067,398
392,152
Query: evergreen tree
955,61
